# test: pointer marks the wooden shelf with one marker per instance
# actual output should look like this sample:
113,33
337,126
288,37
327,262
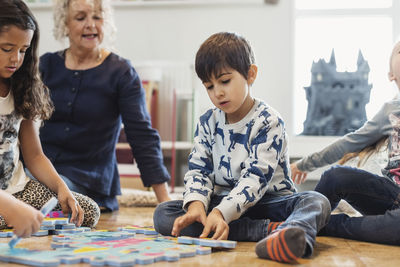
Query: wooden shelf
167,145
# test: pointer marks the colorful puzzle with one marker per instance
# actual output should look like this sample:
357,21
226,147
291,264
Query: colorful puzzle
105,248
52,226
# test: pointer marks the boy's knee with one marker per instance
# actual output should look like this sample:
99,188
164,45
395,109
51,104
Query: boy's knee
324,202
160,221
321,201
318,198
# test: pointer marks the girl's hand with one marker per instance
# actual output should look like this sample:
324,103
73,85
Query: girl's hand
196,213
297,176
24,218
69,205
215,223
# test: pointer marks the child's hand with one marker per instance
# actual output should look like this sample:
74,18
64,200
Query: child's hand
195,213
297,176
70,205
24,218
215,223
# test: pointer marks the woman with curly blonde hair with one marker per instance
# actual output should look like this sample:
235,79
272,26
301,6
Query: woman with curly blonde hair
93,91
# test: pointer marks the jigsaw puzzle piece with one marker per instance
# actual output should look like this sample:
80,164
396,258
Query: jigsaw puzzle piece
147,230
55,214
47,227
71,231
65,226
6,233
55,221
41,233
26,256
208,242
9,233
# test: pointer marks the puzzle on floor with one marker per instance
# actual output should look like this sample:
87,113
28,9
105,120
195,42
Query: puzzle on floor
53,226
104,248
207,242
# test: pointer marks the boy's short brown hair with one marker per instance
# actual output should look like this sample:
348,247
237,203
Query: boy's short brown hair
223,50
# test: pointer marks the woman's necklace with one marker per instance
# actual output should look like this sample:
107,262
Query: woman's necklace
100,56
90,63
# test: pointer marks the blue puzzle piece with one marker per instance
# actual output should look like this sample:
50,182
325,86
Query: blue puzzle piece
207,242
55,221
41,233
139,230
6,233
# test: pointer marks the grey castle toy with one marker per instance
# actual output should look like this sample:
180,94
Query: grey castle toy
336,100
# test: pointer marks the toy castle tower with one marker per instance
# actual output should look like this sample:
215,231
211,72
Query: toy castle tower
336,100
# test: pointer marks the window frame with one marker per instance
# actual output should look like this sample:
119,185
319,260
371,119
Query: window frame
301,145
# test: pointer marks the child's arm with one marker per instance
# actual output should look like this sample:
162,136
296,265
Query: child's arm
23,218
371,132
42,169
199,180
195,213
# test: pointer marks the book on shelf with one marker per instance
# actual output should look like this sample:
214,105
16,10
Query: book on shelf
151,89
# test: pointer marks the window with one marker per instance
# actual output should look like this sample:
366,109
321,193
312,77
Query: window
345,27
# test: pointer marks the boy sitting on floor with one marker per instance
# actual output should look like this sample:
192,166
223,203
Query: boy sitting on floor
238,186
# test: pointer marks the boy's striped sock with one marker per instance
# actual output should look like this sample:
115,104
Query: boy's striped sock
272,226
284,245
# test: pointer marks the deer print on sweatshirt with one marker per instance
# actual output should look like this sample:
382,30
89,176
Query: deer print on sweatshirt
241,162
240,138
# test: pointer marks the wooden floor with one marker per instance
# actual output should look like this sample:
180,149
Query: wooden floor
328,251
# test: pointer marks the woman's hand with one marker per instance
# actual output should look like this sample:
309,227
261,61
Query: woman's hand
215,223
297,176
195,213
70,205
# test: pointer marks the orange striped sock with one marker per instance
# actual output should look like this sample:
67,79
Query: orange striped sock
272,226
284,245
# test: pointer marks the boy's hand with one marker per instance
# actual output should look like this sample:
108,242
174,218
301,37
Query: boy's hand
195,213
215,223
70,205
297,176
24,218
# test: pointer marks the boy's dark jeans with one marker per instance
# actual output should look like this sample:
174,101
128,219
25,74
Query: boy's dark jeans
307,210
376,197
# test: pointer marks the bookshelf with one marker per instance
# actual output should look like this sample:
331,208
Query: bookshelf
170,98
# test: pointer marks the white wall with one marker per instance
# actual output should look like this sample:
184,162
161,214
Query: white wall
175,32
